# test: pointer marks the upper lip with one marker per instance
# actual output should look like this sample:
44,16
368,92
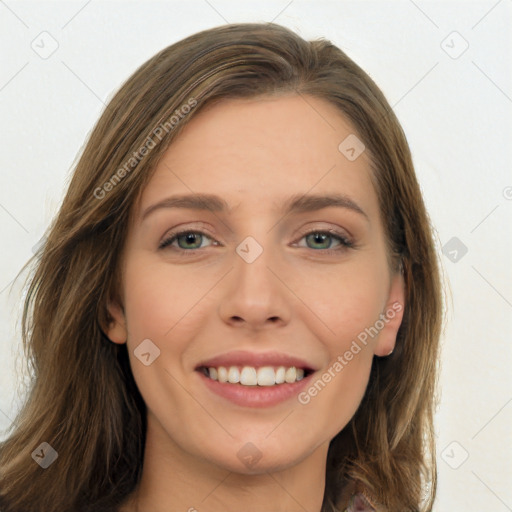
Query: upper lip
245,358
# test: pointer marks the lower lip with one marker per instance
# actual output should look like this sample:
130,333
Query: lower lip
255,396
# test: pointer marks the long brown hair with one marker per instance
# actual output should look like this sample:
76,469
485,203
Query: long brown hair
83,400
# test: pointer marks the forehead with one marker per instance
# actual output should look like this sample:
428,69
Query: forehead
257,152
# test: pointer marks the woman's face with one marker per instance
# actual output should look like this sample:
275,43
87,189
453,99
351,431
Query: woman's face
310,283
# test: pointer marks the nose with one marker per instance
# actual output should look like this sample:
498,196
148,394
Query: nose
256,295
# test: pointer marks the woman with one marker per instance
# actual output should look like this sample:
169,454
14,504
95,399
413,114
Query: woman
255,370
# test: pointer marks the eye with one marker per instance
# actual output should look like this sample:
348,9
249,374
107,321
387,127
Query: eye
323,240
189,239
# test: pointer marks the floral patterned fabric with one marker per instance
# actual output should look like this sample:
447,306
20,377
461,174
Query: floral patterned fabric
356,498
358,503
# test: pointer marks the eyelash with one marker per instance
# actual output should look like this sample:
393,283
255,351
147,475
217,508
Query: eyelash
345,243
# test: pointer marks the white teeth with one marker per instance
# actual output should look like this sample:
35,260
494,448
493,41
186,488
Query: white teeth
266,376
233,375
290,375
222,374
280,373
251,376
248,377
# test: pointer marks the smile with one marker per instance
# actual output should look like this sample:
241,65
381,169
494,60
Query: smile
252,376
255,395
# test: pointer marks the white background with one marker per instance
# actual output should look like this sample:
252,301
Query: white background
456,113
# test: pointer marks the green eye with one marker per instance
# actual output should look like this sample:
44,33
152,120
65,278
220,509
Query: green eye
324,238
188,237
192,240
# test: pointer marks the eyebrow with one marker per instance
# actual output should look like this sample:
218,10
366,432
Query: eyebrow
298,203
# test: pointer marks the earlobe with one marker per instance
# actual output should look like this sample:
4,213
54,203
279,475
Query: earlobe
391,317
116,330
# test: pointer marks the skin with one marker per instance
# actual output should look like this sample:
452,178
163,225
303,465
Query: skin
295,297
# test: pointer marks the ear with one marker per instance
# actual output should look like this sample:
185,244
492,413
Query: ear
391,317
116,329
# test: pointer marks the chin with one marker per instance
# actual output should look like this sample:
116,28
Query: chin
259,456
262,466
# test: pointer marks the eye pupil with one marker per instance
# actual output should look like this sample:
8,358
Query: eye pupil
320,238
191,238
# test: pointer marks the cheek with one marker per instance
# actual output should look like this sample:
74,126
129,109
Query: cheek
160,299
163,305
169,306
344,303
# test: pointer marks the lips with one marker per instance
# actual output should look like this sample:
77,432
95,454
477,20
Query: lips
254,396
267,390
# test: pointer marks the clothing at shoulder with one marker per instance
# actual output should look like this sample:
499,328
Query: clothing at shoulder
358,503
357,499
